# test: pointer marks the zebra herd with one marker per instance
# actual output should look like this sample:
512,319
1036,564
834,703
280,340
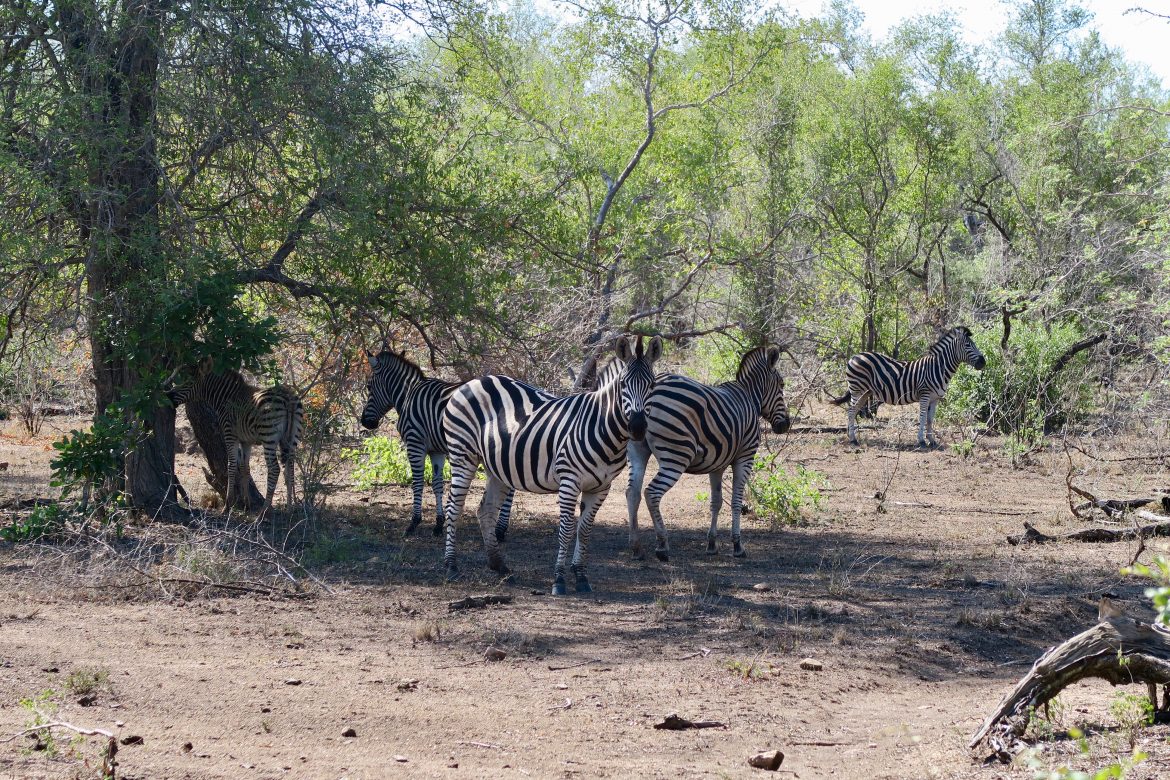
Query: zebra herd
529,439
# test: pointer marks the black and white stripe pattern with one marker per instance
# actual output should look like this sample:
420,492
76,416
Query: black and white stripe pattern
529,440
695,428
398,383
272,417
877,378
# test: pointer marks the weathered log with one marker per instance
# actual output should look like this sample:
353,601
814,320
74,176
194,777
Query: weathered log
1160,527
1119,649
476,602
205,426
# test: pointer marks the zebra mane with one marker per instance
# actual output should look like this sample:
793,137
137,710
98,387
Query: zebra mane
611,373
409,365
752,359
229,380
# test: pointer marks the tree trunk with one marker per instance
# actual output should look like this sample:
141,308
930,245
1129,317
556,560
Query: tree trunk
206,427
116,62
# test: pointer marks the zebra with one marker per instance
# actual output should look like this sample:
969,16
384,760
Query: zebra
703,429
247,415
530,440
396,382
876,377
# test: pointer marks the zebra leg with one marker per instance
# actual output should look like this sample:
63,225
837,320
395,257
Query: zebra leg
923,414
505,516
232,447
851,416
739,477
716,478
930,432
590,503
487,515
438,460
638,454
462,473
273,463
566,532
287,462
416,455
668,473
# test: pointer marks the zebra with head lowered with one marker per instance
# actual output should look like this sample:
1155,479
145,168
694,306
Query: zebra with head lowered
398,383
247,415
695,428
529,440
877,378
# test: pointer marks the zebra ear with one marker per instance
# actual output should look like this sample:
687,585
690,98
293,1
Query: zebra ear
772,354
654,351
623,349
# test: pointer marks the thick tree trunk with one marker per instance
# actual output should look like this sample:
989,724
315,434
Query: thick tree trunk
206,427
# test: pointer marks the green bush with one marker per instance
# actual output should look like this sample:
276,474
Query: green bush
43,522
1019,395
381,460
781,498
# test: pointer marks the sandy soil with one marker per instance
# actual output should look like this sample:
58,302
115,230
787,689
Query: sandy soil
921,614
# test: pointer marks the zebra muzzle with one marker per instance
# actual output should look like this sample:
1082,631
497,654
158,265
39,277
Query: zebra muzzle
780,426
638,426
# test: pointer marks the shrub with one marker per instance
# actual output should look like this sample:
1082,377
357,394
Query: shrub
1018,394
43,522
781,498
381,460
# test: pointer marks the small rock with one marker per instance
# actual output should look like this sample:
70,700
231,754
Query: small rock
407,685
88,700
453,765
561,687
812,665
119,723
401,759
349,732
769,760
762,587
187,747
494,653
132,740
292,681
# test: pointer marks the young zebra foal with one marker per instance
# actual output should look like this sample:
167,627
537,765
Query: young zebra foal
398,383
529,440
273,417
695,428
874,377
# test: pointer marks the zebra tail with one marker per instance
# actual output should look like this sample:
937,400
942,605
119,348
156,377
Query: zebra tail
293,415
840,401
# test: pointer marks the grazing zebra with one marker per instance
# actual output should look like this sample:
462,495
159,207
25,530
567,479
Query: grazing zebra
248,415
398,383
874,377
695,428
530,440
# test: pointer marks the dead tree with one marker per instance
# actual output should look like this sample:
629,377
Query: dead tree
1119,649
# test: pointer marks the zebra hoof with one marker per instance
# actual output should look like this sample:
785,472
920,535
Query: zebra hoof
738,551
438,529
559,588
452,573
583,585
415,521
662,555
711,548
637,552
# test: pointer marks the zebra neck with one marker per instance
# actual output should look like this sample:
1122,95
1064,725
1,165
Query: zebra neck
753,387
948,363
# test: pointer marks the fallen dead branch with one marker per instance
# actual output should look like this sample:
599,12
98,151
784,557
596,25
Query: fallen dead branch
574,666
478,602
1119,649
1161,527
109,765
675,722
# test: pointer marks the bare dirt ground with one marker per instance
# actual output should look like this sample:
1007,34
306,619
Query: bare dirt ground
921,614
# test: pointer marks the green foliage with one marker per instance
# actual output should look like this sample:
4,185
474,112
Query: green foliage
781,498
1019,394
42,709
382,460
87,459
1159,571
42,523
1132,712
87,680
326,550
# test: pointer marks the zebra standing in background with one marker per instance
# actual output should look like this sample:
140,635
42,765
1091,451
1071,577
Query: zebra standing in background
695,428
876,377
247,415
398,383
530,440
